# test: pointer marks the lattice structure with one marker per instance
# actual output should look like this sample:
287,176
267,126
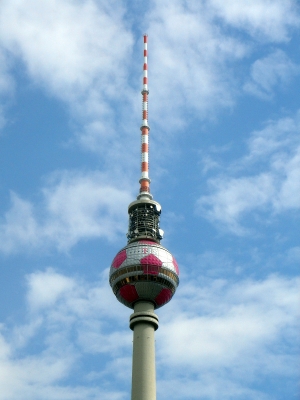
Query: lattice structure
144,221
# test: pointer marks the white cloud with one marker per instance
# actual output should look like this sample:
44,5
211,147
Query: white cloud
270,71
84,206
220,332
6,85
278,137
74,206
81,52
197,59
207,386
191,57
19,225
42,295
65,314
293,254
67,45
39,377
225,335
275,189
289,194
77,51
266,19
59,299
235,196
6,82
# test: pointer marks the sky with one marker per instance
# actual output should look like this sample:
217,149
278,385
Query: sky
224,112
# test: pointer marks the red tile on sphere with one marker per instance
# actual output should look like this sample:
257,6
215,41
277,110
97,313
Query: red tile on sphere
147,241
151,264
119,259
129,293
151,269
163,297
151,259
175,266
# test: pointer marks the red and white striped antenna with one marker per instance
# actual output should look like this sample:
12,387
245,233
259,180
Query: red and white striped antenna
145,180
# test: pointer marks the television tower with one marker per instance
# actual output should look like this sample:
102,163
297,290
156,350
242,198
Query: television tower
144,275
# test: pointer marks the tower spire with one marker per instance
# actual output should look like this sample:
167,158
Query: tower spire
144,275
145,180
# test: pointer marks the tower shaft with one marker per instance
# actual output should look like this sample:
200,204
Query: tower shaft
143,322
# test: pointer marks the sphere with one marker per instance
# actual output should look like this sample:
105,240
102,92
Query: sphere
144,270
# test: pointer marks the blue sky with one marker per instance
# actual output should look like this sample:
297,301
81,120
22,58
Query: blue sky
225,165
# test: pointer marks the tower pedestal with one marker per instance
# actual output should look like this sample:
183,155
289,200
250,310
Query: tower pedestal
143,322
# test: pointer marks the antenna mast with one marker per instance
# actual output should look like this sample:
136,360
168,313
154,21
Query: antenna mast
145,180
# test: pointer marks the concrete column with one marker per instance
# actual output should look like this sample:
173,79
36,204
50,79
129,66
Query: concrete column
143,322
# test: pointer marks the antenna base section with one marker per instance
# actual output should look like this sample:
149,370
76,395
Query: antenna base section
144,216
145,179
144,196
145,126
